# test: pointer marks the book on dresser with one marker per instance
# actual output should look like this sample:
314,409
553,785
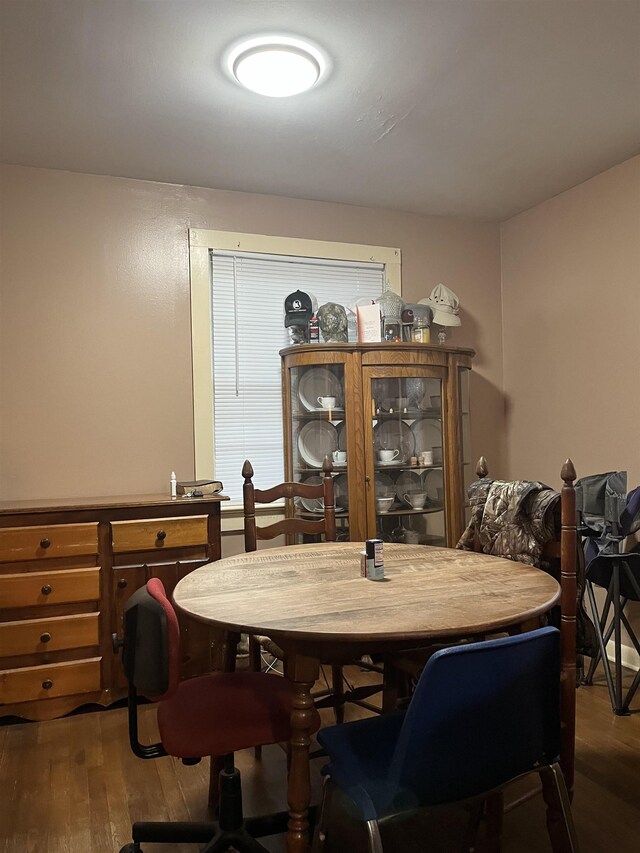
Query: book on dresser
198,487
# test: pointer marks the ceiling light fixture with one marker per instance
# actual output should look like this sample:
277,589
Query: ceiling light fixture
276,66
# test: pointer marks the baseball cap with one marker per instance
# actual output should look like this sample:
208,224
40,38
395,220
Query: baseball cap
414,311
445,306
298,309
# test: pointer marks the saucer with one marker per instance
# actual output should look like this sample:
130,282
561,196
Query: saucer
392,462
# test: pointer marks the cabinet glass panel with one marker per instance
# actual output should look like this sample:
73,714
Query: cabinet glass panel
409,475
319,429
465,432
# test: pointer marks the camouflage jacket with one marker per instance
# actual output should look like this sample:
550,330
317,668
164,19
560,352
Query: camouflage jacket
516,520
510,519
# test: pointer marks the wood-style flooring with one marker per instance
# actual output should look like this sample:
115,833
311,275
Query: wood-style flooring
73,785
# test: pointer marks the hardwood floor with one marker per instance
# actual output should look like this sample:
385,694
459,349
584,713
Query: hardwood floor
73,785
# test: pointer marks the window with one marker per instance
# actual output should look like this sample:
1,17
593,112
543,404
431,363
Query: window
239,284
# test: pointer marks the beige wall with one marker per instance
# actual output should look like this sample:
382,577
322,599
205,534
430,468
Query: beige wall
95,370
571,325
571,314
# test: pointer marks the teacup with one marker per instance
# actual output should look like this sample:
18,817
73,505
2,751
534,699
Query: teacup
427,457
339,457
383,504
327,402
388,455
417,500
411,537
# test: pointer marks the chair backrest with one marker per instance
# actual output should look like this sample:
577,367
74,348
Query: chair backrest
288,526
481,714
600,501
151,653
563,553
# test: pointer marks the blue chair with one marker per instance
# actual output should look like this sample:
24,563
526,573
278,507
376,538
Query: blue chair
482,715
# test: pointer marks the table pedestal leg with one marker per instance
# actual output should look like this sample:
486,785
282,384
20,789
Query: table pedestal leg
303,673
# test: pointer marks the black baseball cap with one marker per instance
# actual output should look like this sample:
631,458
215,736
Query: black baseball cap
298,309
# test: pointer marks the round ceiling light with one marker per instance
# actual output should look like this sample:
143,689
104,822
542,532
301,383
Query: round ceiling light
276,66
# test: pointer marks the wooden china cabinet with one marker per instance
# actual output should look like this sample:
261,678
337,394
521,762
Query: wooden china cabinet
395,419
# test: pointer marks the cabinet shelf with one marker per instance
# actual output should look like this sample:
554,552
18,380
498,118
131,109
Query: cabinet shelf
406,511
408,415
343,469
320,415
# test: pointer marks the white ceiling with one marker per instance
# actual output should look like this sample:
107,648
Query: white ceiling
470,108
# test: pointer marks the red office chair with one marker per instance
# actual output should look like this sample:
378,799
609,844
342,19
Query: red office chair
213,714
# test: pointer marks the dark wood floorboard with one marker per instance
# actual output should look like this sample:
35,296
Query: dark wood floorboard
72,785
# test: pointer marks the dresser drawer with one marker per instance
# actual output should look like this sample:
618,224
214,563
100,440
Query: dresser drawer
55,587
47,682
158,533
32,636
54,540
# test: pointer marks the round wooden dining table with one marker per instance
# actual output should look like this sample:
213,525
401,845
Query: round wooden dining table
313,601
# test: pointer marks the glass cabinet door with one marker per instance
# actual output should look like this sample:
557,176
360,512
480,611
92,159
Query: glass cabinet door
465,433
319,429
408,463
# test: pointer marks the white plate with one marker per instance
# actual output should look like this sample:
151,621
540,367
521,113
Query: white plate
408,483
316,440
394,435
342,435
384,464
341,491
427,434
312,504
433,483
319,382
384,486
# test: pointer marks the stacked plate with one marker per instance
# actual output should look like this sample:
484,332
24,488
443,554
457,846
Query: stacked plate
341,491
319,382
433,485
427,435
312,504
394,435
408,483
316,440
340,494
384,487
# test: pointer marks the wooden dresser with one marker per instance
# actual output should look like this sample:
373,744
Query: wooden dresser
66,570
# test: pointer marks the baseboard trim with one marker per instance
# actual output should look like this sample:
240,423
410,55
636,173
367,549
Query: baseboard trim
630,657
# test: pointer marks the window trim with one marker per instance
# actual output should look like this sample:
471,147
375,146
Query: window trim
204,241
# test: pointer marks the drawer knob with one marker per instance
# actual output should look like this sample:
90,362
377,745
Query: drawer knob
44,543
45,638
161,535
47,685
122,583
46,589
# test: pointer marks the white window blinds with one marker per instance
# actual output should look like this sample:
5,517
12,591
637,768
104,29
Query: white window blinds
248,293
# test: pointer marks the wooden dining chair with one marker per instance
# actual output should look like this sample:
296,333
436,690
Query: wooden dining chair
324,525
561,555
290,527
